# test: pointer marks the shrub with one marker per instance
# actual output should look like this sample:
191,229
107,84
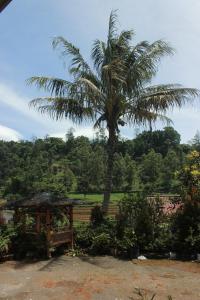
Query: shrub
96,239
190,176
139,225
126,243
146,220
101,243
7,233
186,229
97,216
25,244
83,236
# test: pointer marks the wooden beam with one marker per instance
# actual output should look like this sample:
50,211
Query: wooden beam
71,226
37,222
3,4
48,232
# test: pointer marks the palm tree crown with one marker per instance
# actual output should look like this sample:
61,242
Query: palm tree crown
115,90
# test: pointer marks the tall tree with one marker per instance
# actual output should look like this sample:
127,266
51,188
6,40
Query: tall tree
159,140
150,171
114,91
196,141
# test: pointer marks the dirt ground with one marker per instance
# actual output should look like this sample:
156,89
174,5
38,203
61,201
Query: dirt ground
95,278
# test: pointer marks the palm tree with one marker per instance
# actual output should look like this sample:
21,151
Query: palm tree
115,91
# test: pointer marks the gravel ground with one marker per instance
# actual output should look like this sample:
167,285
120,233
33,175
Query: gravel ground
98,278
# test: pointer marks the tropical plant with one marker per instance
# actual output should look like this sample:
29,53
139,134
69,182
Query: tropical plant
7,232
190,176
186,230
144,217
115,91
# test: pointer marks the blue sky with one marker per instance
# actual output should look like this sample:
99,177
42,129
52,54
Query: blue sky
26,32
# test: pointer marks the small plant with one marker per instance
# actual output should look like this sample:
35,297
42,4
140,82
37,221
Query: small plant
7,233
75,252
146,220
190,177
97,216
101,243
143,295
186,229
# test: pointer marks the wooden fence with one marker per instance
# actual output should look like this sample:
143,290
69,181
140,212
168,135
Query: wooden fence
83,212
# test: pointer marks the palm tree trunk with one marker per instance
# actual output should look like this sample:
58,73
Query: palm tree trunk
109,172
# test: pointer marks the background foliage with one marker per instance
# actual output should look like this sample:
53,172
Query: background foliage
149,162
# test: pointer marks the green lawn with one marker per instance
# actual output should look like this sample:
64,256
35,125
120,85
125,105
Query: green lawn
115,197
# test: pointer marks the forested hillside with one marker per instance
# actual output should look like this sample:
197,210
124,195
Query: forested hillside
149,161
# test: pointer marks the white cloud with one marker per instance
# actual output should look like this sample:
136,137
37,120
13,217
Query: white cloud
86,131
9,134
78,131
10,97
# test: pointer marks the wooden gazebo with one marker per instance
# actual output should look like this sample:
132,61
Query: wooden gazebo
45,214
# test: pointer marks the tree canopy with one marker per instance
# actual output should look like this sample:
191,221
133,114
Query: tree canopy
79,165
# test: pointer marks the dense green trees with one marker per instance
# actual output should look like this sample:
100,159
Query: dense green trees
150,170
160,140
79,164
196,141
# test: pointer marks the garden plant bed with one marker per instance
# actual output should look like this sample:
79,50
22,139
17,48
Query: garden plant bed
96,278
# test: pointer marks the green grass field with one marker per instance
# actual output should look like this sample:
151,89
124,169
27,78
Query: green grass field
115,197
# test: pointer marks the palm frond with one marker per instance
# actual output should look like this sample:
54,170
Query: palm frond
92,77
124,39
139,49
58,108
77,62
100,120
92,89
145,58
56,86
113,74
112,27
163,97
145,117
98,53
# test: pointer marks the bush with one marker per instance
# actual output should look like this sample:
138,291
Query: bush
7,233
97,216
96,239
139,225
186,230
83,234
101,243
126,244
146,220
27,244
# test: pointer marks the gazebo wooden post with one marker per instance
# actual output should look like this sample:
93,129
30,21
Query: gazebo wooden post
16,216
71,225
48,232
38,222
20,218
24,219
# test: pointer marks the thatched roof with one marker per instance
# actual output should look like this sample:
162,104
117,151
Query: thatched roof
42,200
